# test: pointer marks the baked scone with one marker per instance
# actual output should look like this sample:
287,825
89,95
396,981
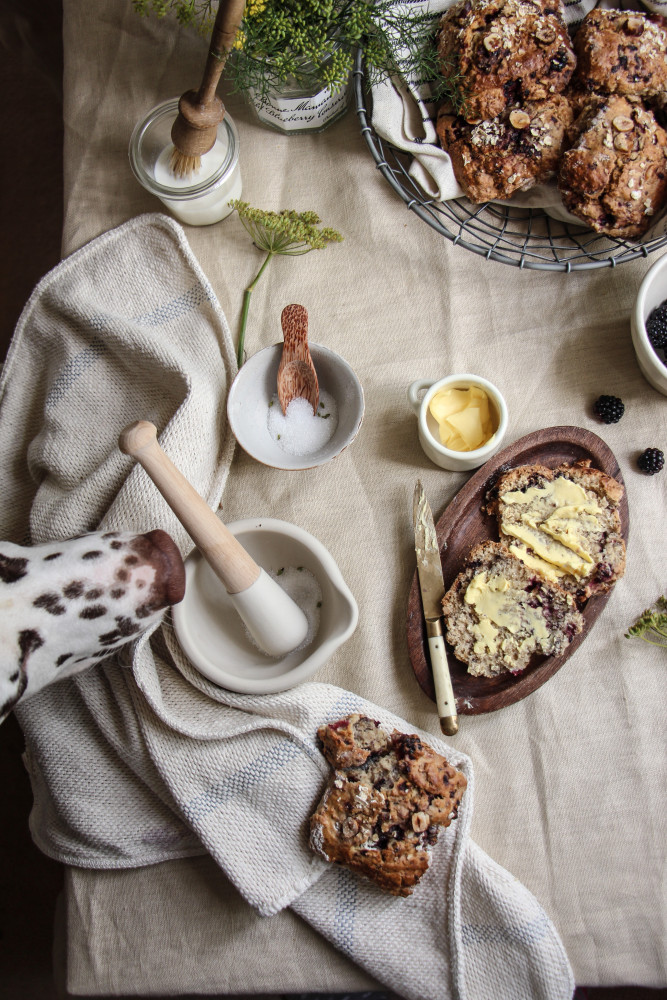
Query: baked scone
499,613
349,742
520,148
380,817
495,54
621,52
614,176
564,523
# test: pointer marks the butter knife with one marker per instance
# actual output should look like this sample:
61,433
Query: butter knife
432,587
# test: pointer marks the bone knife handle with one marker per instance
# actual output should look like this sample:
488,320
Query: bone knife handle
444,693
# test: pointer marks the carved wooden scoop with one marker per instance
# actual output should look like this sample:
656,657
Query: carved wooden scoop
297,377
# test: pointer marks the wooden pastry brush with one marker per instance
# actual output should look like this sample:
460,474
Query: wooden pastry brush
200,111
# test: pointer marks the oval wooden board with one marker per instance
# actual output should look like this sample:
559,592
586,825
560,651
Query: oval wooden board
463,525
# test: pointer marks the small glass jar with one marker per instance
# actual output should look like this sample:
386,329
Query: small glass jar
308,105
201,199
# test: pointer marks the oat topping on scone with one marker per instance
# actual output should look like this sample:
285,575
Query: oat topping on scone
522,147
380,816
496,54
614,176
621,52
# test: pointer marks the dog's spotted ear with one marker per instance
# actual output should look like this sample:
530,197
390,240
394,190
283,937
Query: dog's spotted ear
65,606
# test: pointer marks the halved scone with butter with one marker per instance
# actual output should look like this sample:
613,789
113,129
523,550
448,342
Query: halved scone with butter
499,613
563,523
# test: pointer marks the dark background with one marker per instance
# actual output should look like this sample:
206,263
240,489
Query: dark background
31,200
31,196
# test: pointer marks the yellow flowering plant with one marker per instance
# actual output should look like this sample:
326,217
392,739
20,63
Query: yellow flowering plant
286,233
651,626
302,41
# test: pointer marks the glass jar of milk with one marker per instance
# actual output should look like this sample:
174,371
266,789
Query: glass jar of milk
202,198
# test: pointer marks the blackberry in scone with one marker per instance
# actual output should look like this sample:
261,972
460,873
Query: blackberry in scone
522,147
621,52
564,523
497,54
380,817
614,176
499,613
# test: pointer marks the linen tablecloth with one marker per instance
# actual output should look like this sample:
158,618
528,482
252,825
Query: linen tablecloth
570,782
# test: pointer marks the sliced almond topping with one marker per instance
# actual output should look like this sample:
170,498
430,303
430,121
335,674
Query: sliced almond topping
519,119
634,25
622,123
492,42
545,34
420,822
350,828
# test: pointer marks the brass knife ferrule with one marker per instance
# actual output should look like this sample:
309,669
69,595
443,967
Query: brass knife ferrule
449,725
433,627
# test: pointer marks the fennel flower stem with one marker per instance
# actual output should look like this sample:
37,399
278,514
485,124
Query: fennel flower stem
287,233
246,306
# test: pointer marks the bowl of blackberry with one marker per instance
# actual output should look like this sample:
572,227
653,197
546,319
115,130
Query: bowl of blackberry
648,324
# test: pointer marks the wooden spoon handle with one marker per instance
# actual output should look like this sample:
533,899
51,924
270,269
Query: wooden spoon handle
227,21
226,556
294,321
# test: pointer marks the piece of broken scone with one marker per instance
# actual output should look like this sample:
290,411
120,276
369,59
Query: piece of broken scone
388,796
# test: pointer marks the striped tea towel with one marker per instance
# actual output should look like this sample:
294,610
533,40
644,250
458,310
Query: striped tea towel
139,765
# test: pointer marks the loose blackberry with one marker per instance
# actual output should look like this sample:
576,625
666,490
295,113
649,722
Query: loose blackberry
609,409
656,327
651,461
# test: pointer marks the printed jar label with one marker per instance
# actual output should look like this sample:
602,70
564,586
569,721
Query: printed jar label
291,113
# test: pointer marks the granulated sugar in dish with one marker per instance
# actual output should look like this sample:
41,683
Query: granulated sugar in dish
304,589
300,431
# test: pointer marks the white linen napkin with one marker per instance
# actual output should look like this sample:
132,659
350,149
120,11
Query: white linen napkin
134,766
403,114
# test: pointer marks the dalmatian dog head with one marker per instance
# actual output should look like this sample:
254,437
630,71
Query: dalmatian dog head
65,606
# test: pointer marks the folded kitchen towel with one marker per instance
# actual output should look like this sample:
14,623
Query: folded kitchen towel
142,759
403,113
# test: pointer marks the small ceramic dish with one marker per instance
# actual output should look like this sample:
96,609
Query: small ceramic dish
213,636
429,434
256,385
652,293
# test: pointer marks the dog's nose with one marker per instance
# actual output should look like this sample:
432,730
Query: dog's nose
160,550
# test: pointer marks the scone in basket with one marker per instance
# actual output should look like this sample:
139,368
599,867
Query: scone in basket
522,237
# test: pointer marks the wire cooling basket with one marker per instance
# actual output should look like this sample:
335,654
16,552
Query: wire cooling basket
522,237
